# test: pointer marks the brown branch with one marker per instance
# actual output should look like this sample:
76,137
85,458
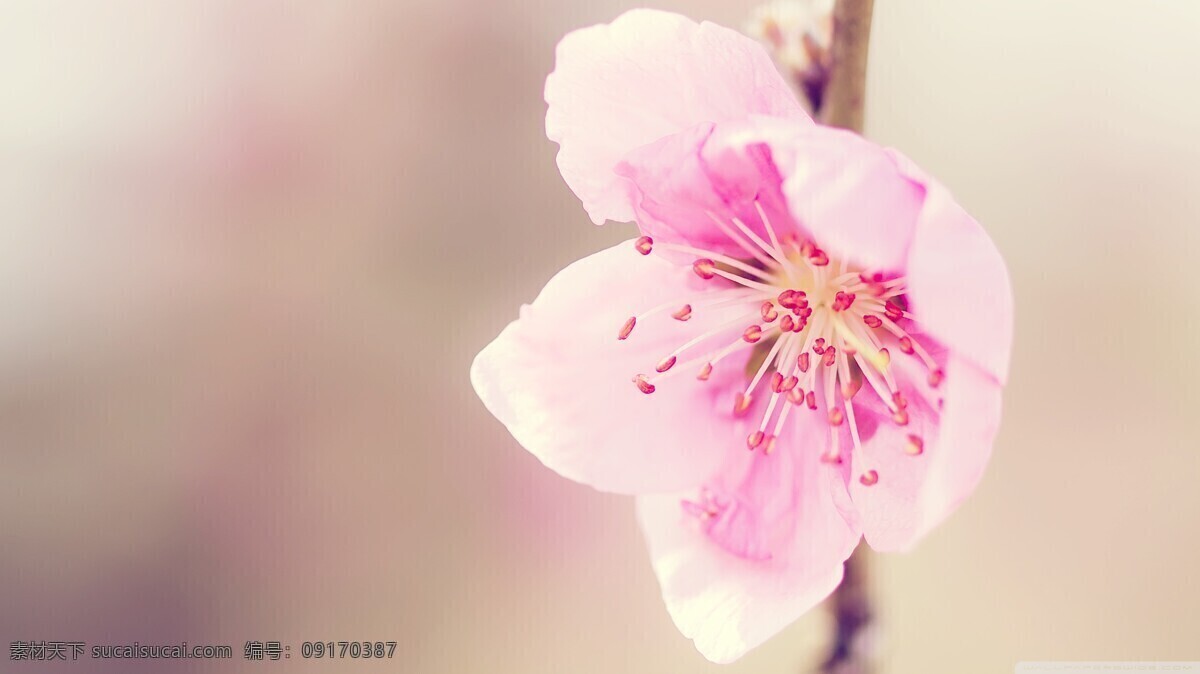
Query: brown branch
842,105
851,650
845,93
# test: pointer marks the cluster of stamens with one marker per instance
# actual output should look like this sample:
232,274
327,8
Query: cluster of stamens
827,331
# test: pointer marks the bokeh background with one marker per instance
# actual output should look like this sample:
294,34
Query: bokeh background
249,250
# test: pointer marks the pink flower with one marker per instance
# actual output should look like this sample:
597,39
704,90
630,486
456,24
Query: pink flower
816,333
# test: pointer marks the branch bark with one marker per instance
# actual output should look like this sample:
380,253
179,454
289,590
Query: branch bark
852,651
842,105
845,92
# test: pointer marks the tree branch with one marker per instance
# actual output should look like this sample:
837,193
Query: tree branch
845,92
842,105
851,650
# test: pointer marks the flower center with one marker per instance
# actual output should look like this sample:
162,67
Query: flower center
818,331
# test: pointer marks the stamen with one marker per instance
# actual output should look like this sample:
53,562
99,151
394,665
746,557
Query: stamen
842,301
741,403
741,280
770,250
762,215
915,446
627,328
704,268
643,384
684,313
757,253
830,355
936,377
665,364
717,257
768,312
644,245
752,334
754,440
869,478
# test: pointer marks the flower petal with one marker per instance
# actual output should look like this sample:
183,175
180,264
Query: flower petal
847,192
646,75
830,185
775,550
915,493
560,380
958,283
686,182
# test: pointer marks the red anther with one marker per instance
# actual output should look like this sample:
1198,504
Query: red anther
874,283
787,323
899,399
796,396
777,382
893,311
915,445
830,356
818,346
818,258
885,356
872,321
936,377
792,299
741,403
704,268
836,417
684,313
752,334
801,323
768,312
811,400
906,345
843,301
665,364
850,388
806,312
627,328
705,372
644,245
768,444
807,249
802,362
643,385
754,440
869,478
900,416
788,384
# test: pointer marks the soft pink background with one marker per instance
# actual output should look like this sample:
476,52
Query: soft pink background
249,250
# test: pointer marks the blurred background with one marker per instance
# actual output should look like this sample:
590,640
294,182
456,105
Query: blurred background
248,251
